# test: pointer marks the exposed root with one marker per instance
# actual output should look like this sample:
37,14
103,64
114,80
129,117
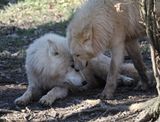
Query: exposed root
5,111
150,110
102,108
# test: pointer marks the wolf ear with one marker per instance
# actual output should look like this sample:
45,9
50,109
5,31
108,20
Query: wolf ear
51,44
52,47
87,33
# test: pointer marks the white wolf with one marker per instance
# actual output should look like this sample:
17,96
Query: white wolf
48,68
97,70
102,24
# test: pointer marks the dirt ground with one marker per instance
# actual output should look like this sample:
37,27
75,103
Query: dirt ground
80,107
84,106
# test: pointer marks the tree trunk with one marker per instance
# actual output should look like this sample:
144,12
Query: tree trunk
151,108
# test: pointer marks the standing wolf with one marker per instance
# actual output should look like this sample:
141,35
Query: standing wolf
101,24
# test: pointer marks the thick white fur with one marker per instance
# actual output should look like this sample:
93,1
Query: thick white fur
102,24
49,71
48,64
98,69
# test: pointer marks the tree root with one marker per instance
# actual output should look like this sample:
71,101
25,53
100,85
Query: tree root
150,110
5,111
103,108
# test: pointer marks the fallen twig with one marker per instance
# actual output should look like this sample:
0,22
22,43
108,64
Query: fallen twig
5,111
105,108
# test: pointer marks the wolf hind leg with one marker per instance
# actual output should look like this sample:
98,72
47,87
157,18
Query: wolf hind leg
133,50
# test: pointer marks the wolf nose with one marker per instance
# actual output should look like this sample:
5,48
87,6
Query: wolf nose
77,70
84,83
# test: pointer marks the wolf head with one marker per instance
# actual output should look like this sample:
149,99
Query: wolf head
81,47
48,54
49,60
86,33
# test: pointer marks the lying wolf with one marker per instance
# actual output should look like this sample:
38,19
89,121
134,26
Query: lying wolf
48,68
97,70
102,24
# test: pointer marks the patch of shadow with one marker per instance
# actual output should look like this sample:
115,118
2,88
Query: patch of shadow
4,3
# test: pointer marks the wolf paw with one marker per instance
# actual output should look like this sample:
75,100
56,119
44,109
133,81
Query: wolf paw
84,88
46,101
105,95
141,86
22,101
127,81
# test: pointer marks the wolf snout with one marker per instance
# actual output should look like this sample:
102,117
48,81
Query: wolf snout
75,68
80,65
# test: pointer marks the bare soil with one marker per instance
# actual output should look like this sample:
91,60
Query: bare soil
84,106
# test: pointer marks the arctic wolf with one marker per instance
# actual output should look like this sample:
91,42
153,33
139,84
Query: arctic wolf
48,68
97,70
102,24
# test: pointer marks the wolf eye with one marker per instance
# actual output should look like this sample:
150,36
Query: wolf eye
72,65
56,53
77,55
